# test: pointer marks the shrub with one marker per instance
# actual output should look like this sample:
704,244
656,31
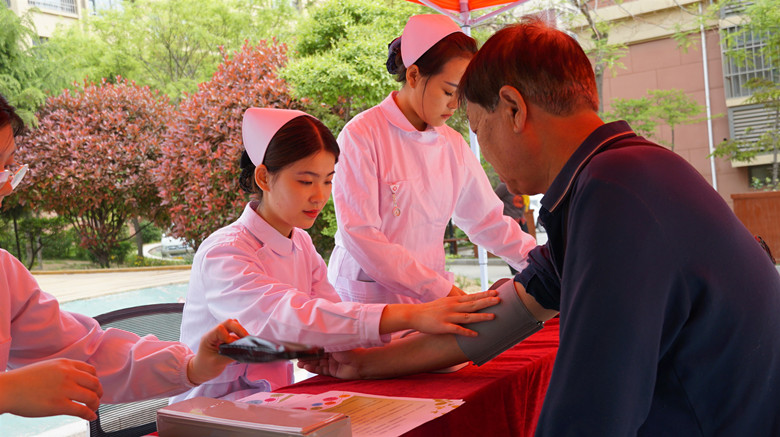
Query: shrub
198,175
91,160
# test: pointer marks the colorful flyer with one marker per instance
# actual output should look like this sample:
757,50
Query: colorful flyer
371,415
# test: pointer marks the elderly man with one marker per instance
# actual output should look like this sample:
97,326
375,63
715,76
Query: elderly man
668,306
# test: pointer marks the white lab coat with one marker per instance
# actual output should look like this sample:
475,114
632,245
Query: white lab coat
277,288
395,190
33,329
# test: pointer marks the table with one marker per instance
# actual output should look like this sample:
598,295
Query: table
503,397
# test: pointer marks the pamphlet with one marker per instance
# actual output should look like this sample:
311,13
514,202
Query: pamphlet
370,415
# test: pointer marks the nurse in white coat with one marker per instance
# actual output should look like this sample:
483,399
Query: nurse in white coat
404,173
264,270
54,362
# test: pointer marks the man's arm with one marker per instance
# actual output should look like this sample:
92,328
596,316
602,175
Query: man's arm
424,353
412,354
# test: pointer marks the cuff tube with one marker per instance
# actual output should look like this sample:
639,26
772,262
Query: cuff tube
513,323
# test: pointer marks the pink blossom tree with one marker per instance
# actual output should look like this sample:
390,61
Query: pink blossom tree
199,170
91,159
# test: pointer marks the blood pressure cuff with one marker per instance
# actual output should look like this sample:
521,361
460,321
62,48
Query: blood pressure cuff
513,323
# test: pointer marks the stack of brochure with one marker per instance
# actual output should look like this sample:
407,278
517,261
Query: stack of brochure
201,417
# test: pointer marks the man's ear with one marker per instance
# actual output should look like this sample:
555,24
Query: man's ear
413,76
261,177
510,100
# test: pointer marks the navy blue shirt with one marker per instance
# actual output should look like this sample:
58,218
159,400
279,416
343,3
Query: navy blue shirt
670,310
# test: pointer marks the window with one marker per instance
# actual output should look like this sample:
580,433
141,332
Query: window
96,6
68,6
733,8
738,73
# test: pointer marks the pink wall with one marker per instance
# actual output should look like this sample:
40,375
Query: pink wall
660,64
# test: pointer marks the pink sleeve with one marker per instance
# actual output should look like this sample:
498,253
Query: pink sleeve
238,286
129,367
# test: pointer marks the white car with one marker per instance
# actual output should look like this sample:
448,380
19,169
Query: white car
174,246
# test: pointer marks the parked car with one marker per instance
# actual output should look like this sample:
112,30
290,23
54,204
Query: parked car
174,246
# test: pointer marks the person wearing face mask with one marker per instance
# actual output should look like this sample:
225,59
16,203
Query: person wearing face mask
404,173
55,362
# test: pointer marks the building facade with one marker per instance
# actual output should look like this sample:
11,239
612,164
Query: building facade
48,14
655,60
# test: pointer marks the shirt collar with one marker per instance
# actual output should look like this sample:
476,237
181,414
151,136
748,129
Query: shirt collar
266,233
397,118
596,141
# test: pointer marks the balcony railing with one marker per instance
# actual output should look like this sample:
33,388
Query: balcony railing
67,6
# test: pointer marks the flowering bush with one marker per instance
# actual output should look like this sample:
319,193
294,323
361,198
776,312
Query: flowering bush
91,159
198,175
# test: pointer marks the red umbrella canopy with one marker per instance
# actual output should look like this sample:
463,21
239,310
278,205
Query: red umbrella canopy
471,5
463,8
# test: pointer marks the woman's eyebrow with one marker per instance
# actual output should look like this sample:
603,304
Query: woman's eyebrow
315,174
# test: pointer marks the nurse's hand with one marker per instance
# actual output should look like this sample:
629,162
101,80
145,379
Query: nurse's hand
51,388
208,363
442,316
455,291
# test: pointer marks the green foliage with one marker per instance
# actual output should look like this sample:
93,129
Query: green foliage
670,107
139,261
25,234
324,229
760,19
169,45
24,74
339,63
768,94
637,112
765,184
604,54
149,232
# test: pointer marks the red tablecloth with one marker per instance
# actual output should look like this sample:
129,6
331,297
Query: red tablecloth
503,397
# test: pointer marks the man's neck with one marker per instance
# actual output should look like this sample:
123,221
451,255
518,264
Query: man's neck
561,136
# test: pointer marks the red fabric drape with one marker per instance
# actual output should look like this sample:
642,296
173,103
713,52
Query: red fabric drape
503,397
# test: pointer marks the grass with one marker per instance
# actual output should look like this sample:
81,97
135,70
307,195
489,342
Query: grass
131,261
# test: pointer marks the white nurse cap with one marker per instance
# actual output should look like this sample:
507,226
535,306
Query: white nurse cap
259,127
422,32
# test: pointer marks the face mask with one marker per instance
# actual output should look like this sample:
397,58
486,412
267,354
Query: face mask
9,181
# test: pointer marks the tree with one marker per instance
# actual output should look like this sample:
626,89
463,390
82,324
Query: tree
91,160
199,170
761,19
674,107
767,93
604,55
637,112
339,64
671,107
169,45
23,73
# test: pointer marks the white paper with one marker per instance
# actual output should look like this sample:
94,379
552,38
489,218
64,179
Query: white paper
370,415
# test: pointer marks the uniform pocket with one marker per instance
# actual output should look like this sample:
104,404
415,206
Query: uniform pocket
361,291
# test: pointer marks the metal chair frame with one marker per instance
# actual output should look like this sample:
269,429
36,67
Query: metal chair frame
131,319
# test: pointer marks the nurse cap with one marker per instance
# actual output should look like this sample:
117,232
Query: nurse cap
259,127
422,32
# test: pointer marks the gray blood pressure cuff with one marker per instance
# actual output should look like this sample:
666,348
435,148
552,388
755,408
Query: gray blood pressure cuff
513,323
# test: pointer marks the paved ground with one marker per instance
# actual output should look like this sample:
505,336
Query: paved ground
72,286
80,285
